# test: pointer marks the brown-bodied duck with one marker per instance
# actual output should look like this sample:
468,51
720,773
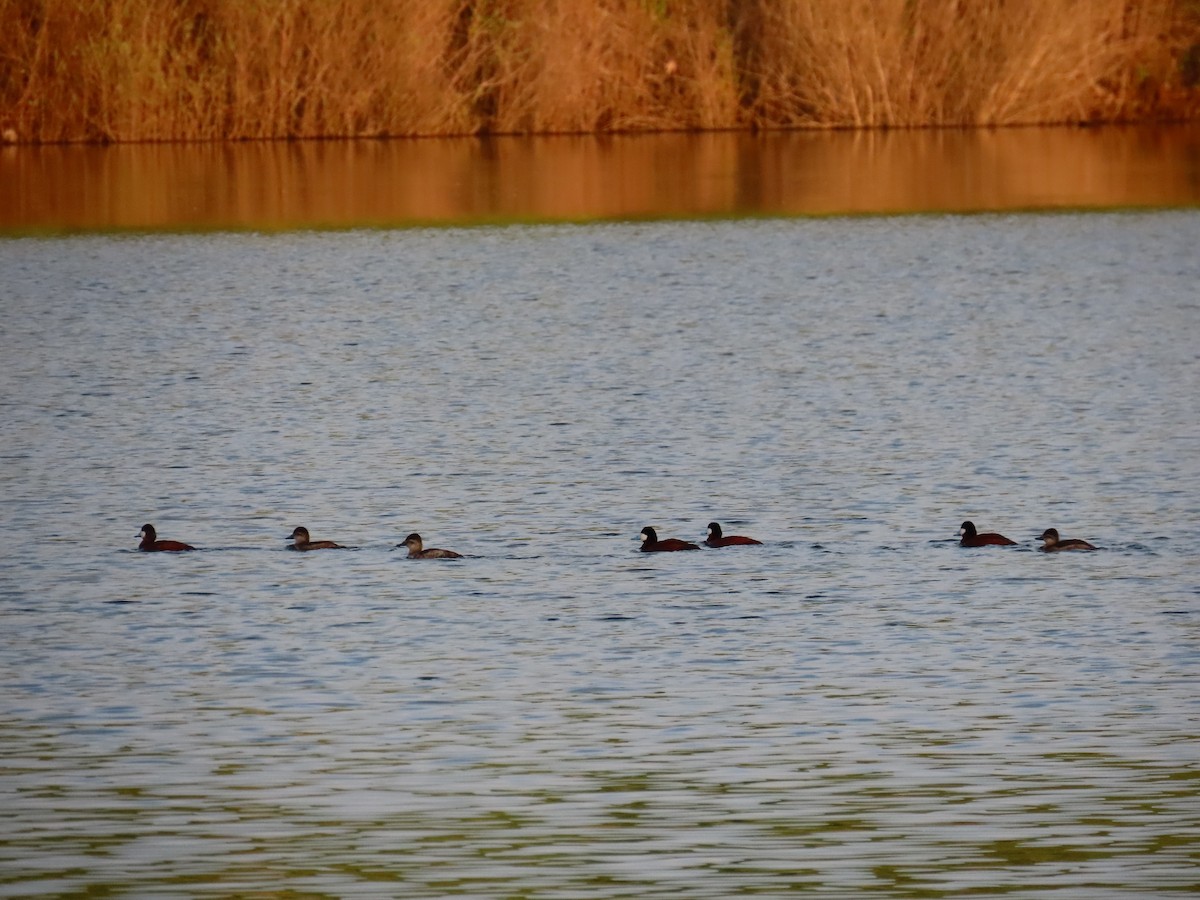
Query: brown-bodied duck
417,549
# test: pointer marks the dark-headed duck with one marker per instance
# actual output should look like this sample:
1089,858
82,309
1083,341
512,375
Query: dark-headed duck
151,543
303,542
1052,542
988,539
717,539
651,543
416,549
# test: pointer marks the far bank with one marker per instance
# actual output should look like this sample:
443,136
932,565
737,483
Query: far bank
161,70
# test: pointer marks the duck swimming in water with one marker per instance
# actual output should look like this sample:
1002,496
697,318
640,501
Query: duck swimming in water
1053,543
151,544
416,549
989,539
301,541
651,543
717,539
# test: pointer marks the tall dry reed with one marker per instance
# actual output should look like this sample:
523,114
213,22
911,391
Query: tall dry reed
75,70
958,62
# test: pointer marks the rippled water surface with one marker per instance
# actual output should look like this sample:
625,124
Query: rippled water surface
858,707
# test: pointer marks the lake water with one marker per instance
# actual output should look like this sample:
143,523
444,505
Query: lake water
352,184
859,707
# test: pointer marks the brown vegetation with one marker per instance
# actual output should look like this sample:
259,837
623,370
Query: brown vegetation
125,70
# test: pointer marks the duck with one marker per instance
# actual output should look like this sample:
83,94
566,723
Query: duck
651,543
1053,544
717,539
971,539
303,542
416,549
151,544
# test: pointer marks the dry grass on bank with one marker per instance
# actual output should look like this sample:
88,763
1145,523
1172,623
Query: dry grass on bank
103,70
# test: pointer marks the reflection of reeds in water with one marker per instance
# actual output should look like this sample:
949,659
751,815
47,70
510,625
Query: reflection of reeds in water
205,69
289,184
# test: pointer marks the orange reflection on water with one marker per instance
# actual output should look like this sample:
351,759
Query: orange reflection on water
364,183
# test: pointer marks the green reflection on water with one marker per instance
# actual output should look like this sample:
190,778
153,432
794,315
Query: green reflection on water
1020,853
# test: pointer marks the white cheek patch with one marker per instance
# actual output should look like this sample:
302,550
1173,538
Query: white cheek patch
643,538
